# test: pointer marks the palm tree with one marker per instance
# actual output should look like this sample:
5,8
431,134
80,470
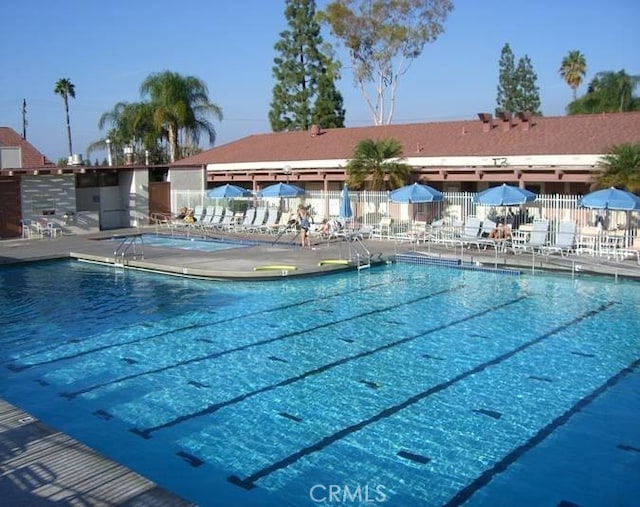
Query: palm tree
180,106
573,70
377,165
620,168
131,125
65,88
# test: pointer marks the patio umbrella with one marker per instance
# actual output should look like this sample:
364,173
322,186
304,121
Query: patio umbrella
281,190
611,198
416,193
345,203
504,195
228,191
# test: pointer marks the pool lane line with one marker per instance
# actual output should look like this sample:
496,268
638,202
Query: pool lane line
18,368
215,355
249,482
483,479
214,407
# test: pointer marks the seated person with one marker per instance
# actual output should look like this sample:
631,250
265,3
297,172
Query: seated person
189,218
182,213
329,227
502,231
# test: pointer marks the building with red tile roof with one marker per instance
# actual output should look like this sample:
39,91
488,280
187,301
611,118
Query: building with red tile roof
548,154
18,153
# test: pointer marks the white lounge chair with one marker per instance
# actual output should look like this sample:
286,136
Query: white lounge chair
249,216
208,217
565,240
270,222
536,239
471,232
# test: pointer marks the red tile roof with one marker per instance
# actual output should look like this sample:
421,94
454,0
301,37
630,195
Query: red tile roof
561,135
31,157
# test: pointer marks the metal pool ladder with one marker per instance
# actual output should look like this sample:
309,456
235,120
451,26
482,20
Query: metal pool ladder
132,247
358,249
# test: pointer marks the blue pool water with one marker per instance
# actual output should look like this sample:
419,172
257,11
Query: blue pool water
188,242
403,386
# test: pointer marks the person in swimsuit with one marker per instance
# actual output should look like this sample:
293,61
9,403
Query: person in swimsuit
304,222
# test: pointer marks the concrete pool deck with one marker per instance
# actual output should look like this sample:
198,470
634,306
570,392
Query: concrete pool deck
267,259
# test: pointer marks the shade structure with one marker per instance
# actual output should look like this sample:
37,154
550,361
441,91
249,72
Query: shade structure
281,190
345,203
416,193
504,195
611,198
228,191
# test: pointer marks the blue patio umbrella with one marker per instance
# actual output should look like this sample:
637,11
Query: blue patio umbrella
416,193
345,203
228,191
281,190
504,195
611,198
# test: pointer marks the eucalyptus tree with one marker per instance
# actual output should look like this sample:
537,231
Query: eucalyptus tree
620,168
383,38
65,88
573,70
608,92
180,107
305,72
377,165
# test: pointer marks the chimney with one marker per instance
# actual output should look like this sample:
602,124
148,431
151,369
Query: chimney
505,116
315,130
487,121
525,119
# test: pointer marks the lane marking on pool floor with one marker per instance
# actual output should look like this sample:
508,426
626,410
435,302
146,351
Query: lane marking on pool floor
249,481
500,466
146,432
17,368
221,353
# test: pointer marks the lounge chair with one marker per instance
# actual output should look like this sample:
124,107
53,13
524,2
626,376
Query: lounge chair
565,240
258,220
270,222
471,232
208,217
247,223
198,213
226,221
536,239
630,252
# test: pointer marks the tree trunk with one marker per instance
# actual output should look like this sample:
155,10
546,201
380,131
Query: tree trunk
66,110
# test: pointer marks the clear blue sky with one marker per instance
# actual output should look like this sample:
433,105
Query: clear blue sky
107,49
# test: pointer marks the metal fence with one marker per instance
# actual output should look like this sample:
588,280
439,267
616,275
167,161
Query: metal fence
370,207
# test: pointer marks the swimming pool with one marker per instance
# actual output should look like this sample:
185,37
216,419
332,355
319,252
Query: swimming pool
403,386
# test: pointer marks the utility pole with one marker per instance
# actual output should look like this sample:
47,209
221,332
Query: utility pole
24,119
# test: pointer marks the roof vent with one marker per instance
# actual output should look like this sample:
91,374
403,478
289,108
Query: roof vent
525,118
75,159
315,130
487,121
506,117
